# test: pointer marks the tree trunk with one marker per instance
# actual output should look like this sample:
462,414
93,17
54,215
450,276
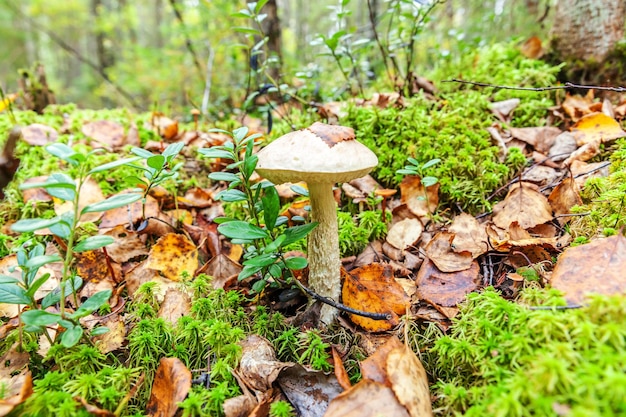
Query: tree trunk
104,53
271,28
587,30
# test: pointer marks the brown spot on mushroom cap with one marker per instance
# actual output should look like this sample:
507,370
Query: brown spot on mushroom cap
331,134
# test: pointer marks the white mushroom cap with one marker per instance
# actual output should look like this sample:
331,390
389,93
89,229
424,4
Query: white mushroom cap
319,153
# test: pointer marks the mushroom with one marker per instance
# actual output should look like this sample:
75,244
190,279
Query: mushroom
321,155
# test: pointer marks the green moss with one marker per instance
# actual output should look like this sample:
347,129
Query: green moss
604,208
504,359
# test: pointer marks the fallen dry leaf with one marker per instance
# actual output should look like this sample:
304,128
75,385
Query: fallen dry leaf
439,250
366,399
90,193
129,214
258,365
372,288
577,106
127,244
310,392
92,266
15,378
397,367
172,383
173,255
175,305
223,270
531,48
597,127
39,135
340,370
540,138
115,338
564,196
523,204
469,235
35,194
107,133
594,268
164,126
405,233
420,202
445,289
139,274
584,153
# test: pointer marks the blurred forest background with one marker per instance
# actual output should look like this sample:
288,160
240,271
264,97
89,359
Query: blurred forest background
172,53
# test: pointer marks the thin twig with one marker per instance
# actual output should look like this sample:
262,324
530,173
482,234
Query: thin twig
565,86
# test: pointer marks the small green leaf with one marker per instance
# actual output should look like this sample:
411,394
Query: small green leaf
62,151
216,153
6,279
172,150
92,304
40,318
406,172
246,30
431,163
37,284
54,297
114,164
262,260
298,189
231,196
413,161
428,181
296,233
223,176
156,162
38,261
30,225
13,294
141,152
93,243
240,133
71,336
271,206
116,201
275,245
248,271
241,230
296,263
99,331
259,5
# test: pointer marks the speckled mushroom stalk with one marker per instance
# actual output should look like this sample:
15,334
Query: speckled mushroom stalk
320,155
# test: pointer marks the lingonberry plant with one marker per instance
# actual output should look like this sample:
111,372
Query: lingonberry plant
263,232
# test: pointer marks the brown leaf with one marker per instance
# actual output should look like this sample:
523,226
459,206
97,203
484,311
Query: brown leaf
469,235
172,383
309,391
576,106
405,233
597,127
16,379
596,267
366,399
115,338
531,48
523,204
92,266
584,153
173,255
196,198
540,138
396,366
258,365
439,250
446,289
35,194
39,135
90,193
223,270
164,126
372,288
420,202
107,133
175,305
139,274
340,370
127,244
564,196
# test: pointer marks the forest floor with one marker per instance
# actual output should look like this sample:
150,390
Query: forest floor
488,244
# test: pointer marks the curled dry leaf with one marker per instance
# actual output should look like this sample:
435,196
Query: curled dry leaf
597,127
564,196
531,48
523,204
258,365
39,135
421,202
584,153
594,268
340,370
405,233
394,384
172,383
372,288
223,270
445,289
439,250
16,379
173,255
469,235
107,133
518,238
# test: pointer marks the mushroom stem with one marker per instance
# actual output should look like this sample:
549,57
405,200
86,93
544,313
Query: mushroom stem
323,254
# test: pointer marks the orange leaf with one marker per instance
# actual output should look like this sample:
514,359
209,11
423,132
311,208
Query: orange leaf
372,288
445,289
524,204
172,255
172,383
597,127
